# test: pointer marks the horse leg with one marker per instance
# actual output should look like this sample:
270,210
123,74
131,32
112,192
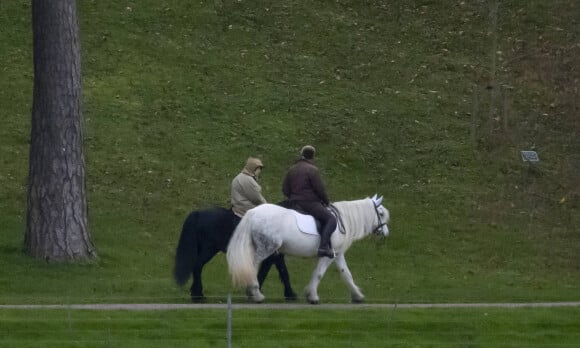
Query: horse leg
278,259
311,290
253,291
264,249
355,294
197,285
265,269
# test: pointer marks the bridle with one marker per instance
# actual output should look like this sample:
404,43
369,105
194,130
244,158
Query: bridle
377,229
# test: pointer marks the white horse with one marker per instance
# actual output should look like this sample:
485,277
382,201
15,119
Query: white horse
269,228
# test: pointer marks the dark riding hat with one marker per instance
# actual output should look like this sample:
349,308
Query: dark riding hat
308,152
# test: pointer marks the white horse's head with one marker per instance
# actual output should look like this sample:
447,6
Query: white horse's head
382,215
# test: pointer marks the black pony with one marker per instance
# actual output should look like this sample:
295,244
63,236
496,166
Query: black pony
204,234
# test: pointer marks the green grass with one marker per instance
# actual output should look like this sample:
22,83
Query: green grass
178,94
486,327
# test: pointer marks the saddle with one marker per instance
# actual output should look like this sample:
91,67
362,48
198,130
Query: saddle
307,223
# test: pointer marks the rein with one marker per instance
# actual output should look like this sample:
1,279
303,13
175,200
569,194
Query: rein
336,213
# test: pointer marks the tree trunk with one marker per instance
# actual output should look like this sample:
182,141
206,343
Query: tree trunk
57,224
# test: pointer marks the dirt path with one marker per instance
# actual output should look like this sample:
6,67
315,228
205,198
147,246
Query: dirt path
287,306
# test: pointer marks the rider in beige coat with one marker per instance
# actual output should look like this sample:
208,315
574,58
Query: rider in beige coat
246,193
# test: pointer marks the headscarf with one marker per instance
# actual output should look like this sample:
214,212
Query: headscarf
251,165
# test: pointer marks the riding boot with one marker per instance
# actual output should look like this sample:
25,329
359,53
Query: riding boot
325,250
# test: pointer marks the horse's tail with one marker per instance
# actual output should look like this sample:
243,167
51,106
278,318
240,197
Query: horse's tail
186,252
241,252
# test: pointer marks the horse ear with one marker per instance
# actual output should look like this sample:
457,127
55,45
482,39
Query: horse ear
380,200
374,198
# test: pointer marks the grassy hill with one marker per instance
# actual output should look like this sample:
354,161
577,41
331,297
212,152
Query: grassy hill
425,102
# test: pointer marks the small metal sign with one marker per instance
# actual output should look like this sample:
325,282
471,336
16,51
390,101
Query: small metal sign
530,156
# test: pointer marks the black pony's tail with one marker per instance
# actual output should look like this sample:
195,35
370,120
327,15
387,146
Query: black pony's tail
186,252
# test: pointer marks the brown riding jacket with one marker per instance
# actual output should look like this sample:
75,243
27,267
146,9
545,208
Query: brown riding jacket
303,183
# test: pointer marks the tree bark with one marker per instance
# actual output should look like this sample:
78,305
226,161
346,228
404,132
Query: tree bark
57,221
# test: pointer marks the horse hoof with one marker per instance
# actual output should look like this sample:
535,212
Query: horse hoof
290,297
256,299
198,299
358,300
314,302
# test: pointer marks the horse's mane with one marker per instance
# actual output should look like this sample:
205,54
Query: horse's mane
357,219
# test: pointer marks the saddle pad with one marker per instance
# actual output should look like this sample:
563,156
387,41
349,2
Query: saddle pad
306,223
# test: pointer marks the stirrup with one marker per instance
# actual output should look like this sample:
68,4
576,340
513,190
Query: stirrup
326,252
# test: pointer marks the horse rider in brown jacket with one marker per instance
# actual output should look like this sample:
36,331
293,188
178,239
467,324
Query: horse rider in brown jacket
246,193
305,190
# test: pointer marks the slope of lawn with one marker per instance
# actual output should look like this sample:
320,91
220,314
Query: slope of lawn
427,103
